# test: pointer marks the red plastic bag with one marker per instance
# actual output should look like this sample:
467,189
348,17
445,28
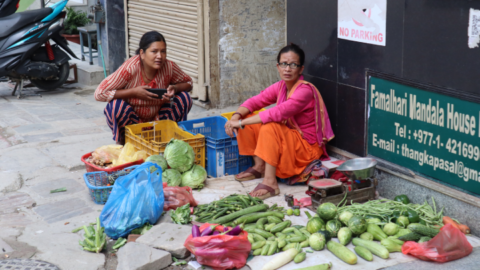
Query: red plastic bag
449,244
220,251
177,196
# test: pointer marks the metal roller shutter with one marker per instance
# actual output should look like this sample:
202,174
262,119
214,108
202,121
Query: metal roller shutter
182,24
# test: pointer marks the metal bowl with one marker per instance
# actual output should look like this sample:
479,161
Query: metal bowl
358,168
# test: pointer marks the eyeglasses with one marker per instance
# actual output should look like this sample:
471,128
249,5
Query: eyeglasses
292,65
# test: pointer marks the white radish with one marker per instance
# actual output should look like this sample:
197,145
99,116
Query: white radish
282,258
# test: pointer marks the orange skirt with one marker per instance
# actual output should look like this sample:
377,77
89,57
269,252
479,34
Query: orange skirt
278,145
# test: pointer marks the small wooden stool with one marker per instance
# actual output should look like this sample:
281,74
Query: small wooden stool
89,30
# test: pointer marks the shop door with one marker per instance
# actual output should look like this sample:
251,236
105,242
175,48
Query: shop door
181,22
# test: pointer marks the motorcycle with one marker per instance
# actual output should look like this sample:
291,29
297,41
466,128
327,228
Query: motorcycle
25,50
8,7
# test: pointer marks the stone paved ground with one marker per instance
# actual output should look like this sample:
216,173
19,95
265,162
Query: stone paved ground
41,142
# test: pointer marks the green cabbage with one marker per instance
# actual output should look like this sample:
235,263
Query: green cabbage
195,177
179,155
159,160
172,177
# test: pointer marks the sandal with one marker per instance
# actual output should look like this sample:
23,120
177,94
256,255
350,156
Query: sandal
271,192
255,175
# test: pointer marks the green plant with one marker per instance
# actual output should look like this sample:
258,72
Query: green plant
74,19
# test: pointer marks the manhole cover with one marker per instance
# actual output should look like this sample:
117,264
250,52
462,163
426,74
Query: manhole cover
26,264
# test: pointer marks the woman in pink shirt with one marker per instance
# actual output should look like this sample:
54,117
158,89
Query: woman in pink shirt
285,139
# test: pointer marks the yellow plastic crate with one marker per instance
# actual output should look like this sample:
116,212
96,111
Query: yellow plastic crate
229,115
154,136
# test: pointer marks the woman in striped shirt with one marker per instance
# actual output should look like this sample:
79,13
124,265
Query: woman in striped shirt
125,90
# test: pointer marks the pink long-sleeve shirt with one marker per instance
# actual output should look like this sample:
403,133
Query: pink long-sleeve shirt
300,106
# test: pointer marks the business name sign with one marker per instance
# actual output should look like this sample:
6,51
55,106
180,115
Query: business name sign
434,134
363,21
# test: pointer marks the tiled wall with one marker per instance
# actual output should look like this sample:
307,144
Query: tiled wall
426,41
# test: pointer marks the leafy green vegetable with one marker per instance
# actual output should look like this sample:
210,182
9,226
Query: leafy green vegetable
58,190
179,155
195,177
142,230
119,243
172,177
177,262
159,160
181,215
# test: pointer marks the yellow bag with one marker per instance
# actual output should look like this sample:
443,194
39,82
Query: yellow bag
106,154
129,154
139,155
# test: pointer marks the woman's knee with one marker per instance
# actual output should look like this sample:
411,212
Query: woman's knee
184,100
270,127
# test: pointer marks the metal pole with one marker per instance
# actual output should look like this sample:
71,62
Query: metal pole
99,49
42,3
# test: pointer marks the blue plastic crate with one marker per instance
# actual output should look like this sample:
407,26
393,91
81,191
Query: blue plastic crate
222,156
97,184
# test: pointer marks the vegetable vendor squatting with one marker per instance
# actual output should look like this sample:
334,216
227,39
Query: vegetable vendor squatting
125,90
285,139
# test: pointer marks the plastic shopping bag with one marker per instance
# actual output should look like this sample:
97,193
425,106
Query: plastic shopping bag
125,155
106,154
136,199
220,251
177,196
449,244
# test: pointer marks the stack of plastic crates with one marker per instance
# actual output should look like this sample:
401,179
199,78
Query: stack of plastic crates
153,137
222,151
98,185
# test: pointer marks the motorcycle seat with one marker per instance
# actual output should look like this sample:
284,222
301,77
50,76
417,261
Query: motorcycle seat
16,21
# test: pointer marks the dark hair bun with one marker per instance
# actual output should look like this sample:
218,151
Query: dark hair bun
149,38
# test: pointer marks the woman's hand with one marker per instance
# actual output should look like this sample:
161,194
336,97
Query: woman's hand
142,93
231,127
171,91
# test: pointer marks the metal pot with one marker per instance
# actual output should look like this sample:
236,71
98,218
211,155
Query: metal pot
358,168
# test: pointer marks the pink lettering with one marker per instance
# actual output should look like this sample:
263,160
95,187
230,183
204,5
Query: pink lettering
380,37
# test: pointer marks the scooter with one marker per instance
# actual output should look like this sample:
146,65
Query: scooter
25,50
8,7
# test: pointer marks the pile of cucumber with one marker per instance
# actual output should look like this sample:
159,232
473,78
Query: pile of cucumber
271,234
363,233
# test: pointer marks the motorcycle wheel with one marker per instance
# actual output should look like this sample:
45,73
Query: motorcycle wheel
50,85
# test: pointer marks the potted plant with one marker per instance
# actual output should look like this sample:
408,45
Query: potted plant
74,19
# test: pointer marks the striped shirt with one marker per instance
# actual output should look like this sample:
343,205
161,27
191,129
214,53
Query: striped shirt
129,75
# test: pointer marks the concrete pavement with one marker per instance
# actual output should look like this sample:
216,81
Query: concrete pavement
41,142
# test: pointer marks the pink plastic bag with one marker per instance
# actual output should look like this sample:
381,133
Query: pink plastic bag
450,244
177,196
220,251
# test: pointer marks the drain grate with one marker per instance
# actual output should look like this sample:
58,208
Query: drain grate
26,264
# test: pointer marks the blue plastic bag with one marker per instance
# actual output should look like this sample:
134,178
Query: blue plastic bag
136,199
